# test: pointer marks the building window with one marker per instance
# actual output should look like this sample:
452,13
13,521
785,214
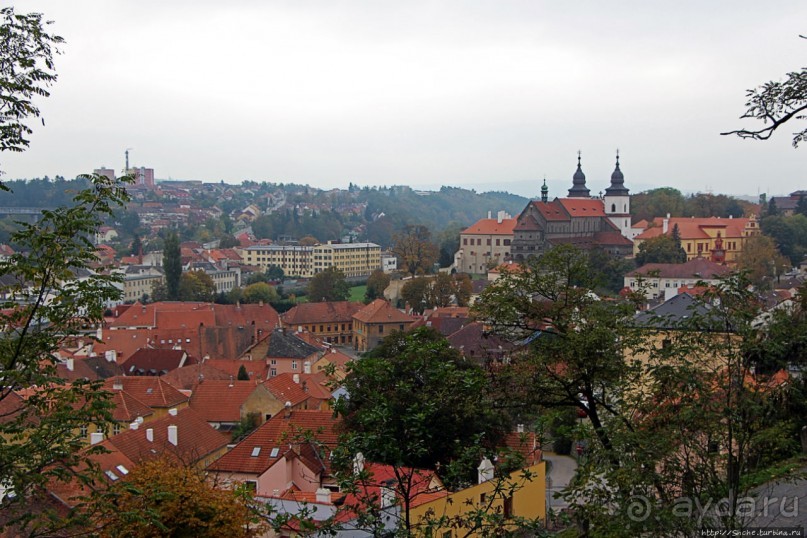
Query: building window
273,372
507,242
464,240
380,329
83,430
293,365
115,429
498,242
488,242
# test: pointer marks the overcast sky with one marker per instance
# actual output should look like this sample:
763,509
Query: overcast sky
491,95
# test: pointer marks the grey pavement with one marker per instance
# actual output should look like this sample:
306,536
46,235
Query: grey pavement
560,471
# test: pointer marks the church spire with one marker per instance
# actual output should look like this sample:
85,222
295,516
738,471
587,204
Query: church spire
579,189
617,187
544,192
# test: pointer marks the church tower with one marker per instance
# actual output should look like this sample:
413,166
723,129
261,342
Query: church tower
544,192
579,189
617,201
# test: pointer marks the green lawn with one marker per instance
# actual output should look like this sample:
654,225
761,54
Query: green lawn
357,293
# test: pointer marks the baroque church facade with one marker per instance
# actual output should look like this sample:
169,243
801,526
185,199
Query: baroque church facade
580,219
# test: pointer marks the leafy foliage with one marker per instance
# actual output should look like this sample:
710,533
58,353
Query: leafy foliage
328,285
376,284
415,249
661,249
26,71
172,264
160,498
45,304
416,402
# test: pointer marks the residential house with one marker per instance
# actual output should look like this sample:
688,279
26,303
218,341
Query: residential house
158,395
522,494
655,280
289,451
301,391
224,403
477,344
155,362
181,434
187,377
288,353
330,321
375,321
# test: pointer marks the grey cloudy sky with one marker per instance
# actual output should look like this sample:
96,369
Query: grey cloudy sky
491,95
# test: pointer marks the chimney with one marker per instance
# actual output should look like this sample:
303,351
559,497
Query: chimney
150,435
173,435
520,428
70,364
323,496
134,425
296,378
489,215
117,385
96,437
485,470
307,367
665,224
111,355
500,217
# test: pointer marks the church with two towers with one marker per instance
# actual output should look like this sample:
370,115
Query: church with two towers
580,219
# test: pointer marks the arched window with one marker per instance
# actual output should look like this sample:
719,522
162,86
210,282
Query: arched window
613,208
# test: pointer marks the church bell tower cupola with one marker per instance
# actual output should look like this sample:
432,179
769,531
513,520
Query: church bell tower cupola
579,189
544,192
617,201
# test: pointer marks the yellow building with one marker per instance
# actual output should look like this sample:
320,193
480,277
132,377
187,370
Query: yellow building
521,495
712,237
353,259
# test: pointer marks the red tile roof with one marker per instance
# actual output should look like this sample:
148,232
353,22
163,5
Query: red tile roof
196,439
380,311
552,211
256,369
221,401
695,268
126,408
152,391
286,390
327,312
187,377
278,432
491,227
149,361
583,207
694,228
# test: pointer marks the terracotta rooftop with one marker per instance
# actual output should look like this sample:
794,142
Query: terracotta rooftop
380,311
695,268
196,439
491,227
256,370
271,440
149,361
286,389
327,312
126,408
694,228
221,401
583,207
152,391
187,377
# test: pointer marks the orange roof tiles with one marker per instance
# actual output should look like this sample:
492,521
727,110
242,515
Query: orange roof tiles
286,389
327,312
220,401
188,376
152,391
583,207
256,369
380,311
278,432
694,228
491,227
126,408
196,439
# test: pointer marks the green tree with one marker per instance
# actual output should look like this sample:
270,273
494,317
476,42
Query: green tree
761,261
657,203
259,292
44,306
196,286
26,72
242,373
137,246
415,249
328,285
416,402
172,265
661,249
416,292
376,284
774,104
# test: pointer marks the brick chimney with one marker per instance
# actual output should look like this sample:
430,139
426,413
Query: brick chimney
173,435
